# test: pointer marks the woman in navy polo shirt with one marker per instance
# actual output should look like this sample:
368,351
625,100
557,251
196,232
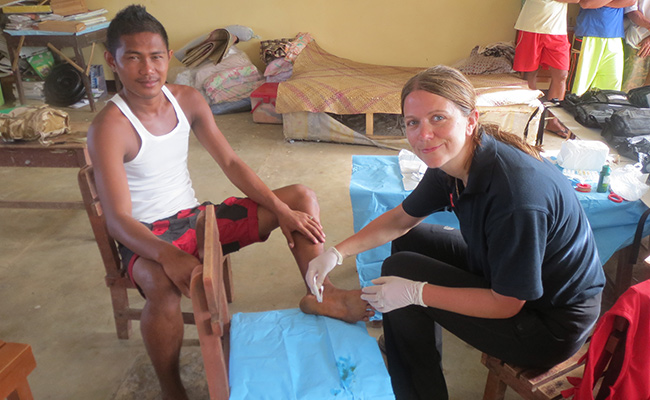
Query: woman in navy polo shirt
521,279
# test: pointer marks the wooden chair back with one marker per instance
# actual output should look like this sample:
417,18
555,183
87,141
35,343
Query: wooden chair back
536,384
211,315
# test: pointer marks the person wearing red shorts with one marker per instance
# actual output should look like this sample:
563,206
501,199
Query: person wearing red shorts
138,145
542,41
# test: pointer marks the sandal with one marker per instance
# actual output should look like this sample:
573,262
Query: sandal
563,133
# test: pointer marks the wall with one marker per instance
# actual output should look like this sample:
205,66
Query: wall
412,33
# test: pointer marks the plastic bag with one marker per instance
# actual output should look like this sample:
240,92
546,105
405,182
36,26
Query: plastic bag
583,155
628,182
412,169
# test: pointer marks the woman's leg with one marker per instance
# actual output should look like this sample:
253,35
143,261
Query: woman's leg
412,333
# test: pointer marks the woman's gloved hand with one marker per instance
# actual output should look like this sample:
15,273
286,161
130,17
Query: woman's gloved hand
319,267
392,292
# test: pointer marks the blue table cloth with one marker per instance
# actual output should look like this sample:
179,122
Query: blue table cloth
376,186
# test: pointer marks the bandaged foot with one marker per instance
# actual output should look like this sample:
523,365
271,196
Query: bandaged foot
345,305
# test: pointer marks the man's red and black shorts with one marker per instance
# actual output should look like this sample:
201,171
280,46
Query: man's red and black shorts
236,219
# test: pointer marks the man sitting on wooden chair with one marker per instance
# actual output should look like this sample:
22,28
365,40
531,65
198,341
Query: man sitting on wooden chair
138,145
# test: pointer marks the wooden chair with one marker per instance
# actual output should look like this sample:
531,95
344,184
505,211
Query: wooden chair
116,280
536,384
211,314
361,372
16,363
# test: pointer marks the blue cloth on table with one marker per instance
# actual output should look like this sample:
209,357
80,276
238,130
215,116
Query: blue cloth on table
36,32
376,186
286,354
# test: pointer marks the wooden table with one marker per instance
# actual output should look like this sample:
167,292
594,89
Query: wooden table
77,41
68,152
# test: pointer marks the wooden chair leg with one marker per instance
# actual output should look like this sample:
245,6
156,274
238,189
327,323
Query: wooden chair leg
22,392
120,301
495,388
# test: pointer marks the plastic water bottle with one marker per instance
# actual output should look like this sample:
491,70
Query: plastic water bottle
603,180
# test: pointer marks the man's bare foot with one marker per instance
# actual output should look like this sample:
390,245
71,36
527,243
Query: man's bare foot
345,305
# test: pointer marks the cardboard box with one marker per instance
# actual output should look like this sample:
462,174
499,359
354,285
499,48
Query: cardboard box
263,104
68,7
42,63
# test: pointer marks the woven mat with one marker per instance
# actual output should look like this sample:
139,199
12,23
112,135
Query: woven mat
322,82
140,382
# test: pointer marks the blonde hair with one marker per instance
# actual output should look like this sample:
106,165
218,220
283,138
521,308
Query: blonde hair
451,84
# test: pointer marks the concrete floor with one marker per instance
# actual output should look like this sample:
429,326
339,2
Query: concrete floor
51,277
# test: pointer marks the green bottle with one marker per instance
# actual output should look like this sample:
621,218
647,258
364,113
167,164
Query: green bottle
603,181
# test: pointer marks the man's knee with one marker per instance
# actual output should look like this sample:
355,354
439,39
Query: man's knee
559,75
301,196
155,284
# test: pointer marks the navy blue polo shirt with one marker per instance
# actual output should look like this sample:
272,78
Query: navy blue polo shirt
526,231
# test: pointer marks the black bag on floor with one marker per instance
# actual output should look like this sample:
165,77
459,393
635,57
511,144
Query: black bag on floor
627,123
605,96
595,115
636,148
572,102
640,97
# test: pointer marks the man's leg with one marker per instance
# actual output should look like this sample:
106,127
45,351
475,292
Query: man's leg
337,303
557,90
531,77
635,69
557,87
610,70
161,325
588,64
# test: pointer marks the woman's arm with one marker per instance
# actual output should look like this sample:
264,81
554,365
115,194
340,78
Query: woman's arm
474,302
385,228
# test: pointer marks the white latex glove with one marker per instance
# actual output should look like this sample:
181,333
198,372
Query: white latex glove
319,267
392,292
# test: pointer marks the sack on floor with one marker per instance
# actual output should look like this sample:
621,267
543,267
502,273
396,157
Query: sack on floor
627,123
640,97
34,122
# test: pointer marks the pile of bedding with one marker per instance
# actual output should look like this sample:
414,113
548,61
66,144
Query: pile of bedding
225,75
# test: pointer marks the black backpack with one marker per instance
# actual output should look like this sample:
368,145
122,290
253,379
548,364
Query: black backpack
640,97
627,123
595,106
595,115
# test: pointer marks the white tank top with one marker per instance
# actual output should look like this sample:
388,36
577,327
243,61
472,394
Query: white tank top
543,16
159,180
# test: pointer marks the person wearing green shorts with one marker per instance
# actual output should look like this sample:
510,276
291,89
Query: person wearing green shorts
600,65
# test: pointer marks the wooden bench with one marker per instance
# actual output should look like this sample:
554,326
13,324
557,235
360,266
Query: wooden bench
16,363
536,384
